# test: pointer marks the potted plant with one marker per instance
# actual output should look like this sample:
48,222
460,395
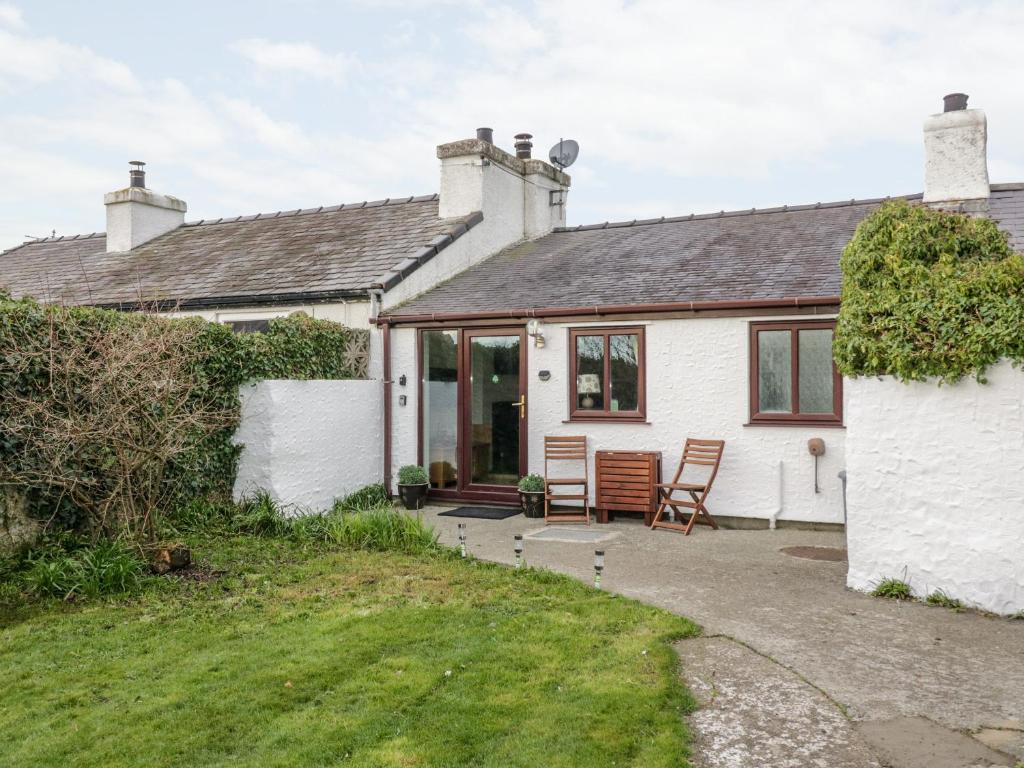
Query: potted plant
412,486
531,495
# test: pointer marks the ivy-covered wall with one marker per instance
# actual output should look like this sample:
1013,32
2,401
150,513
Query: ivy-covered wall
296,347
929,293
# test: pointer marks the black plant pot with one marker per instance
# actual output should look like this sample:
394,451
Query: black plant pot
533,503
413,496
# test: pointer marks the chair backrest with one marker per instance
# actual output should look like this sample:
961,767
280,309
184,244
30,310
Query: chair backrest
565,448
702,452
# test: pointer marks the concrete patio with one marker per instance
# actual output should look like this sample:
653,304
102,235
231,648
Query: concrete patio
793,668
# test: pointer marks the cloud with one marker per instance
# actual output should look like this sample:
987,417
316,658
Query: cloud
10,16
729,88
297,58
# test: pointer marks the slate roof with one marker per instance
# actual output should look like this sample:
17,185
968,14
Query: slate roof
777,253
330,251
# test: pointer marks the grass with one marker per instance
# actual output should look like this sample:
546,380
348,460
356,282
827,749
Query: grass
893,589
295,653
941,599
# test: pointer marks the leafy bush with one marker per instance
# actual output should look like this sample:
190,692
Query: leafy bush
928,293
532,484
370,497
94,456
65,569
893,589
412,474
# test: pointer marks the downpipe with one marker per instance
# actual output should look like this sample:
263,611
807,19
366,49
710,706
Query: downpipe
774,516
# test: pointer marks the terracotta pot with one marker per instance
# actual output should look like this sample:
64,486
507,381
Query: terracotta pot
533,503
413,496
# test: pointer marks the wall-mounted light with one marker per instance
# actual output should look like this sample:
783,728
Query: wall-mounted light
543,375
533,330
402,399
402,380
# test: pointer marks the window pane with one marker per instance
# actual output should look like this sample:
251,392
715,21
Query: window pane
625,372
816,370
590,373
774,367
440,406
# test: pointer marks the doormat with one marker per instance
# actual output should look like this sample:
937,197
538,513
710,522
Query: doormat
482,513
573,535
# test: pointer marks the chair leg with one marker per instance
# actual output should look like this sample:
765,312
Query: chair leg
702,509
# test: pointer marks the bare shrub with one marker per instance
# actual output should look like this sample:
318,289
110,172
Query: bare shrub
113,405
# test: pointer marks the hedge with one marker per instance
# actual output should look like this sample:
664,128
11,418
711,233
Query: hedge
929,294
296,347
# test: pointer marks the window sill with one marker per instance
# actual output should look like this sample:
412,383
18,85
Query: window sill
797,423
606,420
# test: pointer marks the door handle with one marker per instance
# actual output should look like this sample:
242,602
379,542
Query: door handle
521,403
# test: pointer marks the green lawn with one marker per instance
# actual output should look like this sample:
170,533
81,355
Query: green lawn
310,657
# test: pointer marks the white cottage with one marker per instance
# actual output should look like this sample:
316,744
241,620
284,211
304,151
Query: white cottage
494,324
639,334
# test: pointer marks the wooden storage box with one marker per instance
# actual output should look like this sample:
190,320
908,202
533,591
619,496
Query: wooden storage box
627,482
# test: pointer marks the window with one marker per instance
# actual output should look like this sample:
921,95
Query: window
606,373
248,326
793,379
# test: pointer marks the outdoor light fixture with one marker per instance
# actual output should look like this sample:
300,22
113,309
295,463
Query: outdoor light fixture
519,550
462,539
533,330
598,567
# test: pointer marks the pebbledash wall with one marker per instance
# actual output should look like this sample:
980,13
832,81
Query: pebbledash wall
697,385
310,442
936,487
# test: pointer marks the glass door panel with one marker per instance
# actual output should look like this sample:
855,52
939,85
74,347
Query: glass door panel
494,407
440,416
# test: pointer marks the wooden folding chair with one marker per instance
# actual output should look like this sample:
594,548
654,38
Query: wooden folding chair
572,448
701,452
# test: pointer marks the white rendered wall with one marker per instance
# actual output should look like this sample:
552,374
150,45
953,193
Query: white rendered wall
310,442
936,487
697,386
352,314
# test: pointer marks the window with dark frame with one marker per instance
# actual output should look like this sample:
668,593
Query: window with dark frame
606,374
793,378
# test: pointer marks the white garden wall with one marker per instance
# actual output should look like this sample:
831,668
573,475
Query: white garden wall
936,487
697,385
309,442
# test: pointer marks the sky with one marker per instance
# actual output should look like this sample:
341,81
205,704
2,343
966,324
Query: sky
678,107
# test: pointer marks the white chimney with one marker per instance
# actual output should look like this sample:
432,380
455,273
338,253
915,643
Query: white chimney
520,196
955,162
136,215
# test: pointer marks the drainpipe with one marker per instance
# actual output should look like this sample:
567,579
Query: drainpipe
376,302
778,509
386,350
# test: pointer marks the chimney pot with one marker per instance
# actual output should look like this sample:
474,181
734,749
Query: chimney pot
485,134
524,146
137,174
954,102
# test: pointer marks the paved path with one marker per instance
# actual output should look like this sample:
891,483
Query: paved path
863,681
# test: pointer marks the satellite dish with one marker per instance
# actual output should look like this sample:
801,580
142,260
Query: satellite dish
564,153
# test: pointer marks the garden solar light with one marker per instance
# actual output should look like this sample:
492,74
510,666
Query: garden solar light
519,550
598,567
462,539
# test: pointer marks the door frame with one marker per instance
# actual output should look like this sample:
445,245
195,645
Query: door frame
465,490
